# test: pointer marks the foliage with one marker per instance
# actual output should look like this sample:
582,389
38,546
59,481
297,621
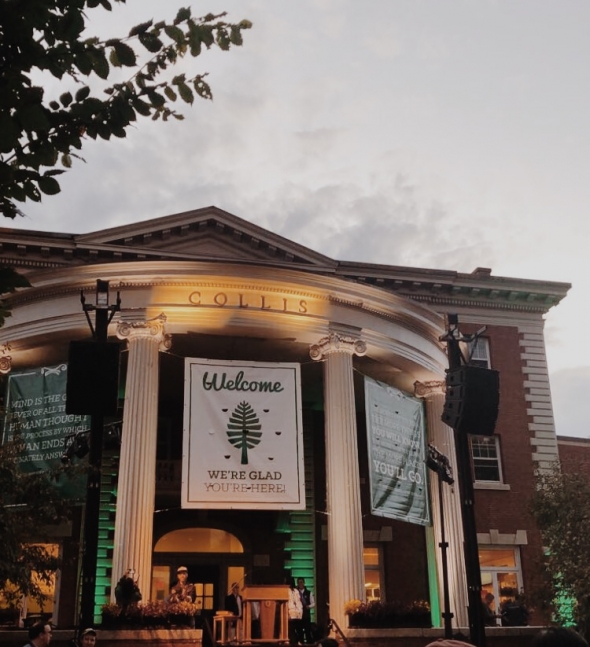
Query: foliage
39,38
561,509
388,614
158,613
243,429
19,521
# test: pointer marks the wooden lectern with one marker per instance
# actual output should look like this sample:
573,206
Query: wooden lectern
269,597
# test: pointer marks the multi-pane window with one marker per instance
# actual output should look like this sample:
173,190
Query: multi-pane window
501,574
479,353
485,456
373,576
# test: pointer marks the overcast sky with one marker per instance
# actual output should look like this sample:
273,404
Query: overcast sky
445,134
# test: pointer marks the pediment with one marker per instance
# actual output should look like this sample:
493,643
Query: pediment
202,234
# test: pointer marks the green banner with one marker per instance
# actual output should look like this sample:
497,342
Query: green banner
397,454
36,417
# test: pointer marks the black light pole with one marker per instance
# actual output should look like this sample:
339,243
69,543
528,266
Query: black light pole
471,555
439,463
104,314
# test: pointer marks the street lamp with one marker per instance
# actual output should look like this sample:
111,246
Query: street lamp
92,387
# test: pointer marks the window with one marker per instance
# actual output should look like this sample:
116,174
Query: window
485,456
500,574
373,561
478,352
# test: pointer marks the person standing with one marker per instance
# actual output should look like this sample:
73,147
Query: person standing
183,590
39,635
308,603
233,603
295,610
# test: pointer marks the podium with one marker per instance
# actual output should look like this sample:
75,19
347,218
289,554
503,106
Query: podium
274,602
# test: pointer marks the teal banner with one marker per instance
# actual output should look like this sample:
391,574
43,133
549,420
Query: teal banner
397,454
36,417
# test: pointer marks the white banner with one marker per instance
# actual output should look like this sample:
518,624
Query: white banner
396,440
242,444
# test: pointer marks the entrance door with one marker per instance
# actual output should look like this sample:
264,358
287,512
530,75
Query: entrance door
205,577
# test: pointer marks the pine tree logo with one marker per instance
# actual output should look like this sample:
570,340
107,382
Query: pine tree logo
243,429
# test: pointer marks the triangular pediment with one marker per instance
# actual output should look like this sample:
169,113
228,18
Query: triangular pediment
202,234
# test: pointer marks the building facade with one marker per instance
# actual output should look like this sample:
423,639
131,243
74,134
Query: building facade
206,284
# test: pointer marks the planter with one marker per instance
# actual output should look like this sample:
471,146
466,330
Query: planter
388,621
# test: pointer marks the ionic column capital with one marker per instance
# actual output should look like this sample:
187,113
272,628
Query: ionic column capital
335,343
152,329
5,364
426,389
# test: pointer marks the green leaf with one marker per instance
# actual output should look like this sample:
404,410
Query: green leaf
32,192
125,54
100,65
141,28
151,42
223,39
194,39
207,37
103,130
175,33
9,133
236,35
202,88
142,107
186,94
169,92
54,105
66,98
49,185
66,160
82,93
114,59
83,62
156,99
184,13
32,118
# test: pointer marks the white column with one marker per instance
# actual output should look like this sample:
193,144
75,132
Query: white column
137,467
441,436
345,529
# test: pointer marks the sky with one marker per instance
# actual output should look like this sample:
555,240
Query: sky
447,134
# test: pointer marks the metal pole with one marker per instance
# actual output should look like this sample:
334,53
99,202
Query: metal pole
92,508
447,614
471,555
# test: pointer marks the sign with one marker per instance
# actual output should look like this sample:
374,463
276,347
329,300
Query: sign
397,454
242,444
36,417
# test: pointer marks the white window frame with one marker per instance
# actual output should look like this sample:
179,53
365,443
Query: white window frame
497,461
478,352
494,571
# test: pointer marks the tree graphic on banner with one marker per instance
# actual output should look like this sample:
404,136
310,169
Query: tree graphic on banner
243,429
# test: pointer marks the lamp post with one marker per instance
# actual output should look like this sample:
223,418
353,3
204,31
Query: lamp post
477,633
439,463
104,314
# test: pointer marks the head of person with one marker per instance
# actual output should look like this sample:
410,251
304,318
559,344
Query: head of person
449,643
559,637
40,634
489,598
235,588
88,638
300,583
182,573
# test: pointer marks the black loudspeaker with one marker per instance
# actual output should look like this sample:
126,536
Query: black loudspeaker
473,396
92,386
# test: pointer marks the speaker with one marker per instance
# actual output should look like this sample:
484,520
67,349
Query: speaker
473,396
92,386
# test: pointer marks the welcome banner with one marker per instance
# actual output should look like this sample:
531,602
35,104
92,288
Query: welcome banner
243,444
36,417
397,454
